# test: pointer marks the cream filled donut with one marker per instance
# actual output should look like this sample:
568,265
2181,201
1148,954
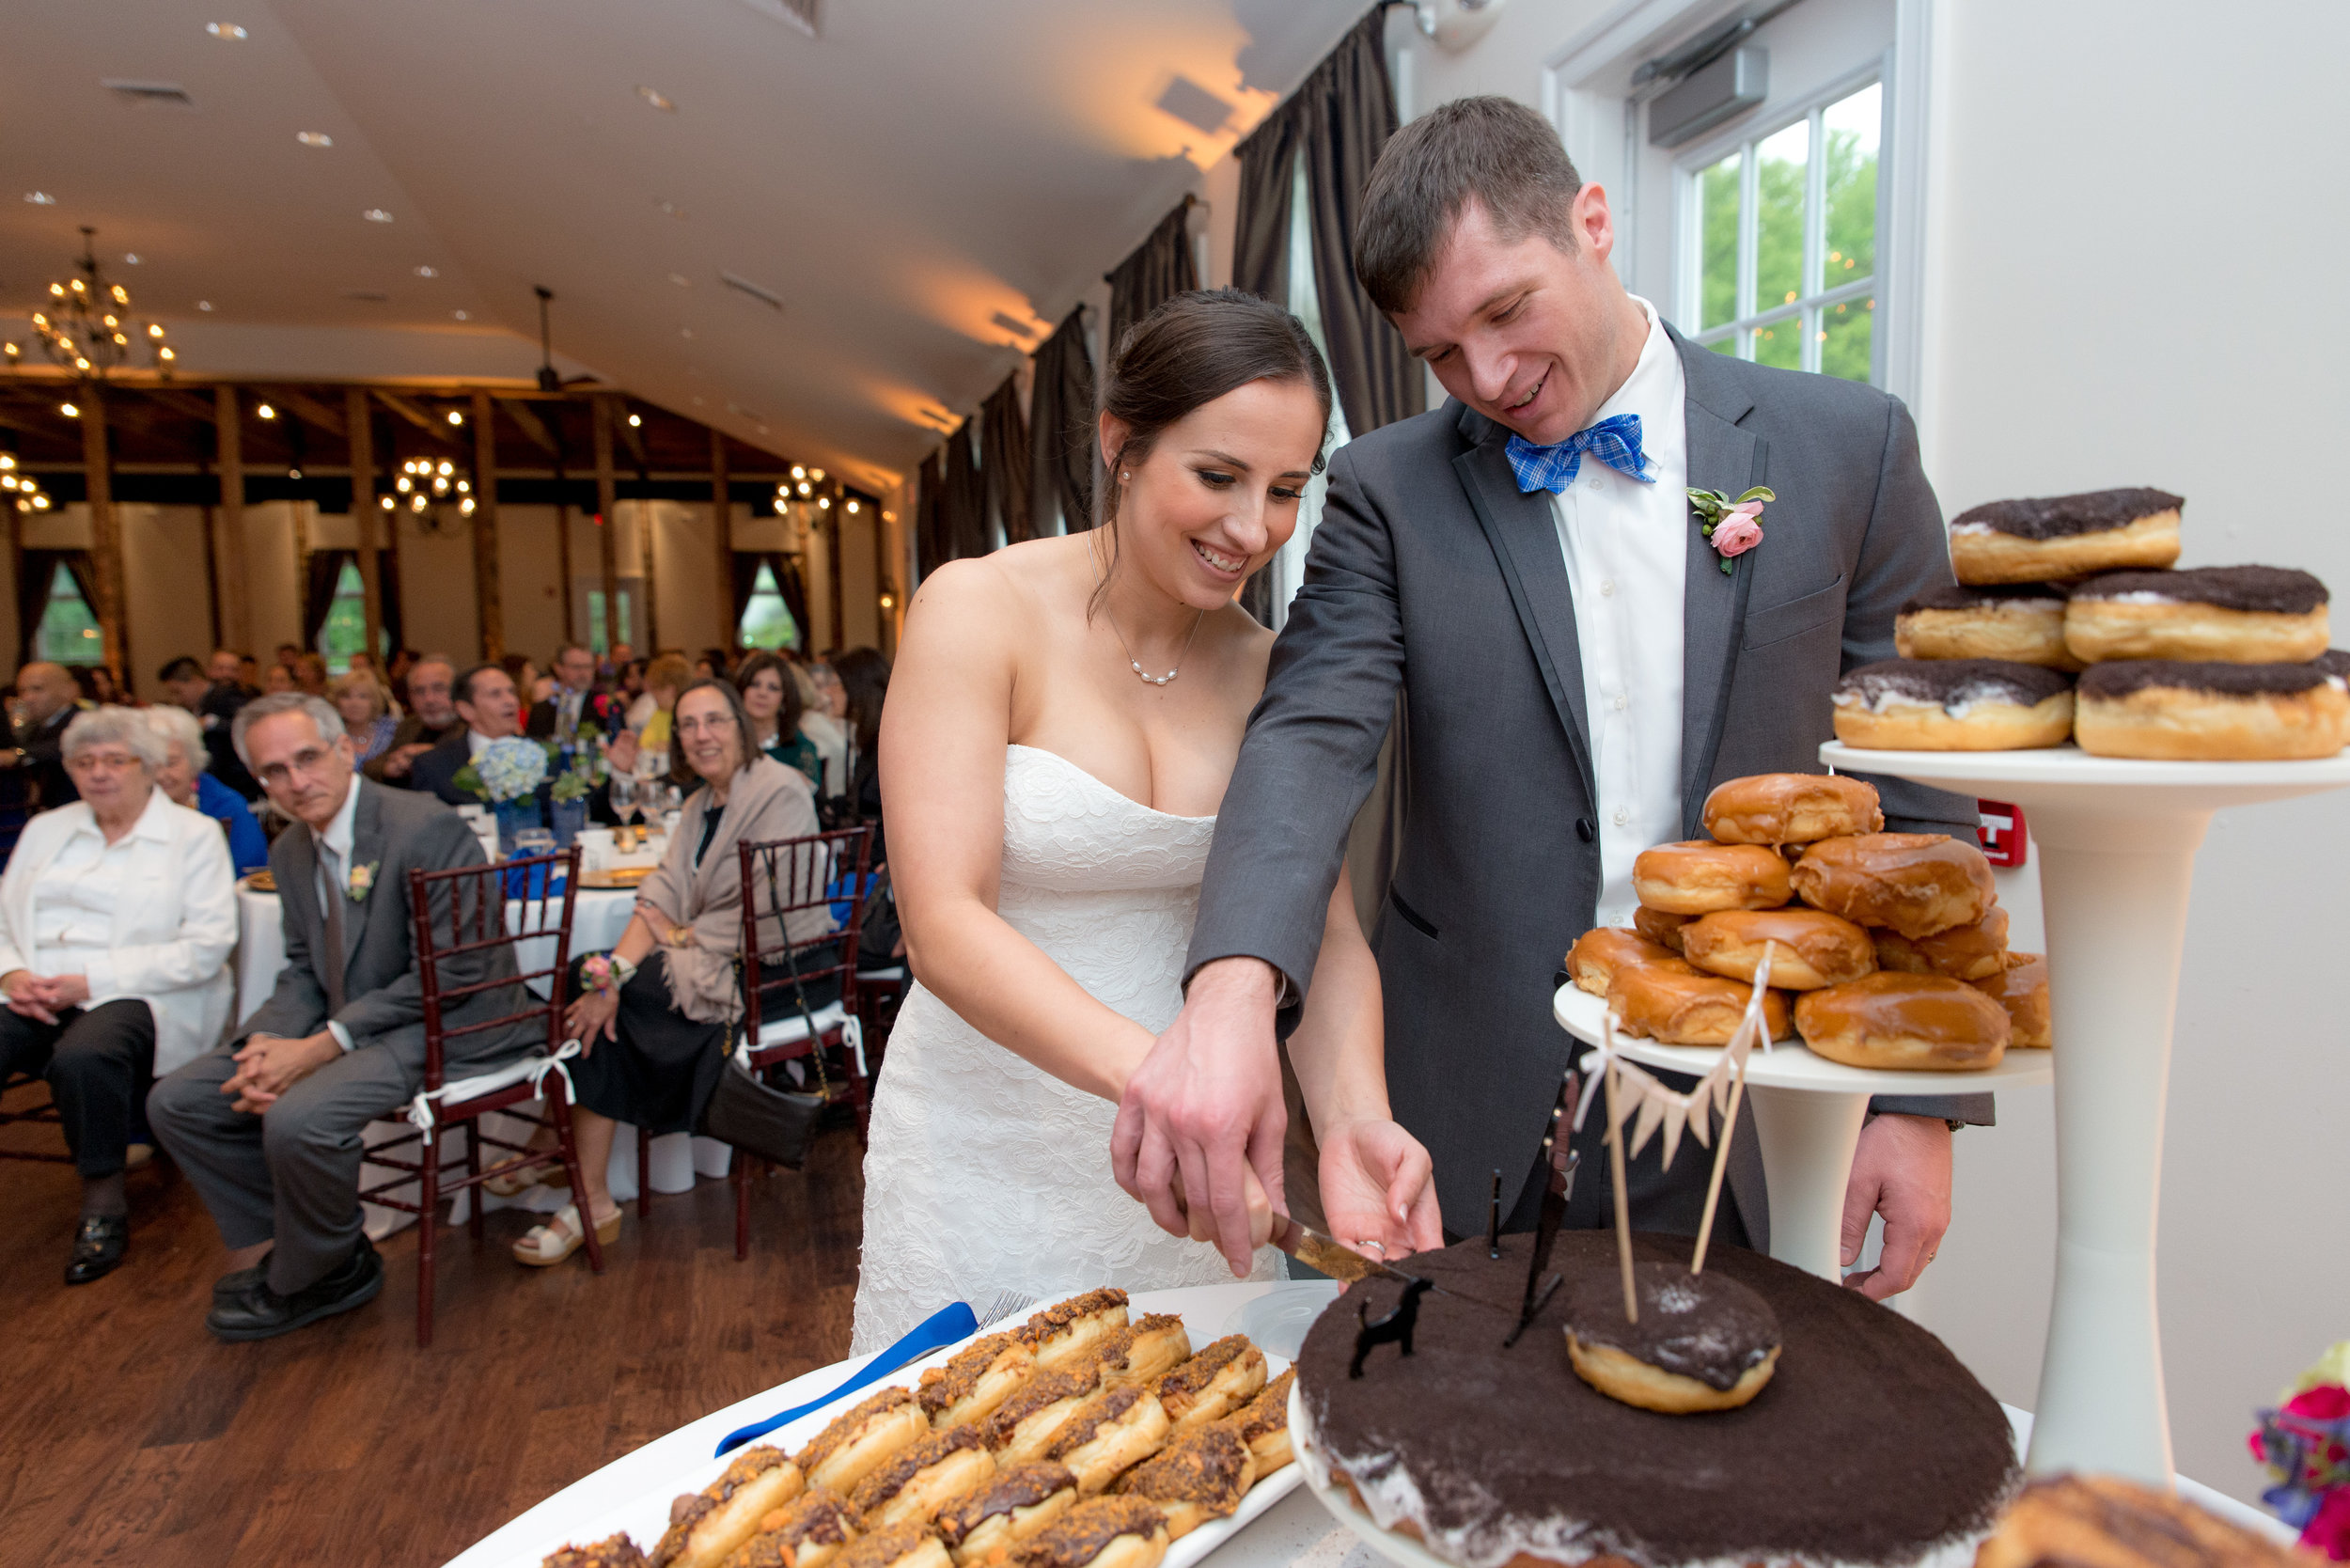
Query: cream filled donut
1698,877
2211,711
1915,883
1954,705
2065,536
2021,623
2238,615
908,1546
1109,1433
1780,808
1809,947
1024,1426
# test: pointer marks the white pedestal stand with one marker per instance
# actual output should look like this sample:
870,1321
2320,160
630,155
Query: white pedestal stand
1807,1112
2117,841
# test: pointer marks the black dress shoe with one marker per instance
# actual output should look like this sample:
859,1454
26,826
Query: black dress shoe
237,1281
98,1247
258,1312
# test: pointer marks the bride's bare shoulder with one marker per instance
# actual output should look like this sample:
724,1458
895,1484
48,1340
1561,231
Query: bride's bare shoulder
1001,595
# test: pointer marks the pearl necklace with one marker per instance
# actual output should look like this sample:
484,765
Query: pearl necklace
1132,663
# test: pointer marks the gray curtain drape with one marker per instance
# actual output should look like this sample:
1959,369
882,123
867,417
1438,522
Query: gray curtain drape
1260,226
930,535
1159,269
1060,433
962,506
1004,463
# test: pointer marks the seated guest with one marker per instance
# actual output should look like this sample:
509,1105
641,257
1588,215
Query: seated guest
713,664
116,919
268,1127
823,722
366,706
217,711
184,683
492,710
47,697
864,677
278,680
666,676
310,674
771,698
575,702
432,718
655,1033
184,777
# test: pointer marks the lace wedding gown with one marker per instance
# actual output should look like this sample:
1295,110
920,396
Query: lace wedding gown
985,1175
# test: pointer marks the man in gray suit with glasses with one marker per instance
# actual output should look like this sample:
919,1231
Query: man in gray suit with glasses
1579,664
269,1126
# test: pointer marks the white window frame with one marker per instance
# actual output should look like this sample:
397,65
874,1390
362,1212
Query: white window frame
1809,308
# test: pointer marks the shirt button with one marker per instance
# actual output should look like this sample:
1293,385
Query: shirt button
1607,587
1622,702
1623,816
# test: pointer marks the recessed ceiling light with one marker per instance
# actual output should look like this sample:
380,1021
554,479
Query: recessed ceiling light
635,420
680,280
204,305
68,411
228,31
131,258
40,199
671,208
460,315
376,214
293,473
455,417
314,138
657,98
427,272
266,411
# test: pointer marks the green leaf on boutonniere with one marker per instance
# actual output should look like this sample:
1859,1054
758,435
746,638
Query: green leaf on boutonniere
1759,492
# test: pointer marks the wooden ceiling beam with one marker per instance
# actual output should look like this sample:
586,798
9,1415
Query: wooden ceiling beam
530,425
304,407
438,430
186,404
633,437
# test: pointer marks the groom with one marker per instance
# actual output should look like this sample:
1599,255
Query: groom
1578,670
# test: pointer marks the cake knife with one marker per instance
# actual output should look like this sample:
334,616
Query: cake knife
1343,1264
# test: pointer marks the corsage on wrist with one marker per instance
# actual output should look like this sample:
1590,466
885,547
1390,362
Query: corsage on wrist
606,972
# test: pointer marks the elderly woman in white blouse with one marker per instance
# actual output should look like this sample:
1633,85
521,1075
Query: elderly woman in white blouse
116,917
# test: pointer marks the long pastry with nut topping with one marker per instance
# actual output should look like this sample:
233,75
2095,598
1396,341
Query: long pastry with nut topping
1114,1431
921,1478
1067,1330
977,1380
1017,1503
1213,1384
705,1527
806,1532
863,1440
1102,1532
1263,1424
1199,1476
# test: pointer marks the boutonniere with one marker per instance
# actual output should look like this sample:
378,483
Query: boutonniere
362,879
1732,527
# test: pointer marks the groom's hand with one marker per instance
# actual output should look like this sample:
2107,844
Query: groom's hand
1204,1109
1901,1169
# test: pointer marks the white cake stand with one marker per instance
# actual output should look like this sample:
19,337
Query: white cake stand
2117,842
1807,1112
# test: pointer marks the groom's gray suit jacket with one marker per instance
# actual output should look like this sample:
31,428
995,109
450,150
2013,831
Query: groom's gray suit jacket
1432,573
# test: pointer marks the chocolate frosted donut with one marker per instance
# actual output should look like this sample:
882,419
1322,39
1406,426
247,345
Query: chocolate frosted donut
2212,711
2023,623
1703,1342
2241,615
2065,536
2334,664
1954,705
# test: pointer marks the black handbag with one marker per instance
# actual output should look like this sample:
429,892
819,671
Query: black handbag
776,1124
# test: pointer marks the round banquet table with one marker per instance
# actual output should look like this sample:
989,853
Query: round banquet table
1297,1531
598,916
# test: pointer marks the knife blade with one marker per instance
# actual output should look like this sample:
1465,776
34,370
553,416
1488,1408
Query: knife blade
1343,1264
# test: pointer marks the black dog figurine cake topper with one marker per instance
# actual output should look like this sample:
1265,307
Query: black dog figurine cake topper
1555,1168
1394,1328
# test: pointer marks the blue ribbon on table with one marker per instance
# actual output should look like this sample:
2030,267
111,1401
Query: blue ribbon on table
941,1329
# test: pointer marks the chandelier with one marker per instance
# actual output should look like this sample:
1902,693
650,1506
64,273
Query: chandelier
428,486
88,328
20,487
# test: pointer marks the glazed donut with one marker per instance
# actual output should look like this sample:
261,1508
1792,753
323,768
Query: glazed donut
2211,711
901,1546
1142,1351
1101,1533
1114,1431
1660,928
2109,1523
1698,877
1915,883
1600,952
1677,1008
977,1380
807,1532
2065,536
706,1527
1201,1475
613,1551
1791,808
1263,1424
1024,1426
924,1478
1912,1022
2021,623
1974,951
2022,988
1703,1342
863,1440
1013,1506
1213,1384
2237,615
1810,948
1954,705
1066,1330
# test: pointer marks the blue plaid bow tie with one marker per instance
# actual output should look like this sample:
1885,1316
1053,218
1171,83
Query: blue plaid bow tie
1615,442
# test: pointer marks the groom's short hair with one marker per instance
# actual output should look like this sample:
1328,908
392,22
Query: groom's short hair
1495,151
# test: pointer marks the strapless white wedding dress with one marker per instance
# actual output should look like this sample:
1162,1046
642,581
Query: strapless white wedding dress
984,1175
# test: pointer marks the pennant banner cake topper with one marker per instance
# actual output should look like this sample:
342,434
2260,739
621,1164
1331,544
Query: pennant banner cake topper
1643,1100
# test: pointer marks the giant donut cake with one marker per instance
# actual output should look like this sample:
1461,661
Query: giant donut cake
1871,1447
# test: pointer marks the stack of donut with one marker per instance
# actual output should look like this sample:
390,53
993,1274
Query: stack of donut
2068,623
1887,950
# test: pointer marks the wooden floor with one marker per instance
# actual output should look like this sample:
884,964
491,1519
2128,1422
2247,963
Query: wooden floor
130,1435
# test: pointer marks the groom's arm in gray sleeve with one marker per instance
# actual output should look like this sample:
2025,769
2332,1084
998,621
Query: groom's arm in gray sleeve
1312,750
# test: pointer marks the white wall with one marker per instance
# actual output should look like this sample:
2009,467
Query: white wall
2133,229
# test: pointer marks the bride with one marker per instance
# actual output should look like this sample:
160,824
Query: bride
1062,721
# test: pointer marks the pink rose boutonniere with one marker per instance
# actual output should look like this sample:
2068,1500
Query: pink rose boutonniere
1732,527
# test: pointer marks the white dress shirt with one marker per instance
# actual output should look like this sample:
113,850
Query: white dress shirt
1626,547
334,874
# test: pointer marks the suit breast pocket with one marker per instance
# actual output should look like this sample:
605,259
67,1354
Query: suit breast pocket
1793,617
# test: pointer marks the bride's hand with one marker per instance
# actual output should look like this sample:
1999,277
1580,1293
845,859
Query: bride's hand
1379,1190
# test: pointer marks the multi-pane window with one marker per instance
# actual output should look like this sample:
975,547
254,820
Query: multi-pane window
1780,264
68,634
767,619
598,638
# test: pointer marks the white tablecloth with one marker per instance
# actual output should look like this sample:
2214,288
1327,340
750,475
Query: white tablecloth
598,917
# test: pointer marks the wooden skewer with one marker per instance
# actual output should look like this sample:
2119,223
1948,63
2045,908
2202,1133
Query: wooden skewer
1623,1200
1730,1126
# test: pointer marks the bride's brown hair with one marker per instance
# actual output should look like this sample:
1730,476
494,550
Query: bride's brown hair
1189,352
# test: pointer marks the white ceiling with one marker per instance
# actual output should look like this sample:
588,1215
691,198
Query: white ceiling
897,183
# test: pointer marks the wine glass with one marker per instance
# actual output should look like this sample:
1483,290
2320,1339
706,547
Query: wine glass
624,796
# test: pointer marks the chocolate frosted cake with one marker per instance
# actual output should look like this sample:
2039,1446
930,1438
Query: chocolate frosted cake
1872,1444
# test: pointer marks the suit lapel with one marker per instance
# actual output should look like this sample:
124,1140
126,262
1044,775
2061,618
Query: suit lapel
1524,534
367,849
1723,458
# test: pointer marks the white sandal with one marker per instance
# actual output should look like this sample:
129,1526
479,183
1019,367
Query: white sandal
561,1236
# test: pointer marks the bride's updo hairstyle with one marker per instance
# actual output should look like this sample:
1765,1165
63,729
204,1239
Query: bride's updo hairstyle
1186,354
